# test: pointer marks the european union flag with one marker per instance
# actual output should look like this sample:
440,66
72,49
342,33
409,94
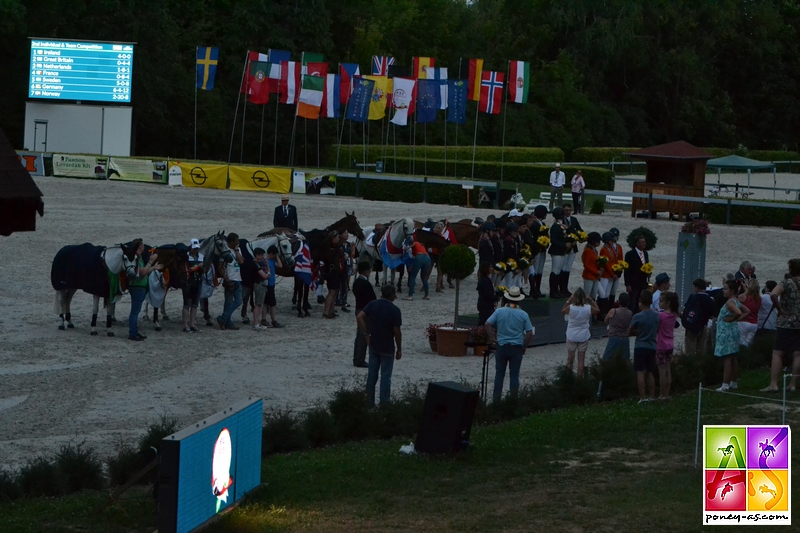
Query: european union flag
429,99
207,58
457,101
358,108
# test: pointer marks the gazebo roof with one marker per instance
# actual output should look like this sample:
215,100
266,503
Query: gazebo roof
19,195
737,162
673,150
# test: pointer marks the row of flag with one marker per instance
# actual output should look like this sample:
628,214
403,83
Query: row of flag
422,89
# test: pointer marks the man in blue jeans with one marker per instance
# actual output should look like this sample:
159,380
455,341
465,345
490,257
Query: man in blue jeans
382,332
230,265
514,332
137,273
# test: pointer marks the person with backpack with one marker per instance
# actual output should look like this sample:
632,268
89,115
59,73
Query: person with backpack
694,319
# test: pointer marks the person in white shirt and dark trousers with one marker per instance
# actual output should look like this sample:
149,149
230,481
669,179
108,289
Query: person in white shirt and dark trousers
557,180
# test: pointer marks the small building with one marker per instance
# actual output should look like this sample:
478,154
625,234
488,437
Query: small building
676,169
20,198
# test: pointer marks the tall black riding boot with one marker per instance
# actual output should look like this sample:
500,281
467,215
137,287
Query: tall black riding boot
563,285
602,303
555,290
538,278
534,293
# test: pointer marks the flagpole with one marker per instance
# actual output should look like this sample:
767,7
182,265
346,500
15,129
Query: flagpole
341,134
275,140
425,150
455,162
305,141
445,143
318,121
505,112
196,51
236,114
244,119
394,143
291,146
474,141
261,141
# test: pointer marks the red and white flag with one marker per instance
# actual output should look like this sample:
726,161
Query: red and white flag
290,82
491,92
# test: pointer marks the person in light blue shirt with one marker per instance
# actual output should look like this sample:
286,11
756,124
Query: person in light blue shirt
512,328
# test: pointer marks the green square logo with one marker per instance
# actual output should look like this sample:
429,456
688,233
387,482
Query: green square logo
725,447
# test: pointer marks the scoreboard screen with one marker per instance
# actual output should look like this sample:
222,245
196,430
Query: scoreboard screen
86,71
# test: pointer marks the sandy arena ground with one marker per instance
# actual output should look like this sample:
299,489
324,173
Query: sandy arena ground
61,386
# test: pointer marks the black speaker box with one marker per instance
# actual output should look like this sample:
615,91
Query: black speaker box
446,418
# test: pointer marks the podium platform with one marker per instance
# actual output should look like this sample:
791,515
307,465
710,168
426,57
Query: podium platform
546,318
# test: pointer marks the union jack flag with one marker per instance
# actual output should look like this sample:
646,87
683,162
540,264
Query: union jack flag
380,65
303,266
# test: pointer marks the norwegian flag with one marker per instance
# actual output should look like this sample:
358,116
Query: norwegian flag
491,92
303,266
380,65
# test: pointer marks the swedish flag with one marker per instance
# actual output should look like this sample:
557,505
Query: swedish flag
206,67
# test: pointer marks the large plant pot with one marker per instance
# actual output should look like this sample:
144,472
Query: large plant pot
451,342
433,345
479,350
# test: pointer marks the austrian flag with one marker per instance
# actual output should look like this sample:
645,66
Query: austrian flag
491,92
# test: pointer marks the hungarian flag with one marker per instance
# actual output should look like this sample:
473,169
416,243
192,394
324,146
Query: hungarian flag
471,71
275,58
347,71
419,66
259,84
310,57
251,58
290,82
381,64
310,99
491,92
402,100
519,75
330,96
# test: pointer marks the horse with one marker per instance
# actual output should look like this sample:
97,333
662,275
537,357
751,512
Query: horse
92,269
389,248
285,252
316,237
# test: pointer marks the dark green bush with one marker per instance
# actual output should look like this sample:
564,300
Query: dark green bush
319,427
350,413
598,206
156,432
649,237
282,432
617,377
745,215
41,477
9,486
461,153
600,154
123,465
80,467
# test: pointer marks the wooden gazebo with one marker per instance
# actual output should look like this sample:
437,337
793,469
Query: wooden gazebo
677,169
20,198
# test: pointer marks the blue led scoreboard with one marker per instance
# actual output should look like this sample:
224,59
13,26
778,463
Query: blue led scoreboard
86,71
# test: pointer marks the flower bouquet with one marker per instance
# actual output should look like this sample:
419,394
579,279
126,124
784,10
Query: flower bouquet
647,268
500,291
696,226
526,252
601,261
619,266
500,266
543,241
511,265
583,236
544,230
523,264
572,237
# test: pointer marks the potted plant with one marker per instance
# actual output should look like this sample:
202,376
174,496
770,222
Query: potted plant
457,262
480,340
430,333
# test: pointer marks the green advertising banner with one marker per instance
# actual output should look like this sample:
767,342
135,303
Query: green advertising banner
127,169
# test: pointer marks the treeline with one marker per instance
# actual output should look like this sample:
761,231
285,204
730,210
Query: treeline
614,73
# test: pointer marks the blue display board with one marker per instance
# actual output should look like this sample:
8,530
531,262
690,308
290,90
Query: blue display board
86,71
209,466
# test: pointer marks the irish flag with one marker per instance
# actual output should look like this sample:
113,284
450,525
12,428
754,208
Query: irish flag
310,99
519,76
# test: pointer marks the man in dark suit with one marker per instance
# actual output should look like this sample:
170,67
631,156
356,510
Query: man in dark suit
285,215
364,293
635,279
573,226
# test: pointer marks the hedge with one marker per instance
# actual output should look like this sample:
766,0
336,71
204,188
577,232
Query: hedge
413,192
596,178
745,215
607,154
462,153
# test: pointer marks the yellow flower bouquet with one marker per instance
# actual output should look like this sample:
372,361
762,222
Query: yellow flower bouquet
523,264
583,236
619,266
500,266
647,268
601,261
544,229
511,265
543,241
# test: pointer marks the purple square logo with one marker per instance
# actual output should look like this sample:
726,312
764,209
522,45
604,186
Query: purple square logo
767,447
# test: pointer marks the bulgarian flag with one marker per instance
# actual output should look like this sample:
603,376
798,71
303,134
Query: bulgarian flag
310,99
519,76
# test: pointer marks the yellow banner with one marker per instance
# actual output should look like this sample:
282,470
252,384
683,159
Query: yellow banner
203,175
269,179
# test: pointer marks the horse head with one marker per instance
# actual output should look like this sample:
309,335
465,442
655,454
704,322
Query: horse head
212,248
285,249
119,257
350,224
